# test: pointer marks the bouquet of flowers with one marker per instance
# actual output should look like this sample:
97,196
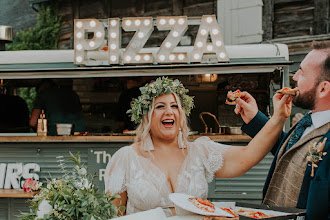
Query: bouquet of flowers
73,196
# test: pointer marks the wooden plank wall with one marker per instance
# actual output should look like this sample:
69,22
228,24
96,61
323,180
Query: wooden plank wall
295,18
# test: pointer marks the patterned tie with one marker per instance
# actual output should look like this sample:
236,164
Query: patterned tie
305,122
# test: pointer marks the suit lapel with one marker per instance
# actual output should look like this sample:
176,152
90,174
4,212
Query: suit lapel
311,135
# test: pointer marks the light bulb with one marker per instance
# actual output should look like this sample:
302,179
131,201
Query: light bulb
98,34
222,55
162,57
162,21
172,57
113,23
92,23
209,19
79,47
128,58
175,34
113,46
172,21
203,32
79,24
113,35
146,57
137,22
168,44
113,58
128,23
137,57
199,44
79,59
79,35
181,21
209,47
140,35
215,31
92,44
196,56
181,57
146,22
218,43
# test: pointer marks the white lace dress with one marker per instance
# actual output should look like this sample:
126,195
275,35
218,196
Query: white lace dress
147,186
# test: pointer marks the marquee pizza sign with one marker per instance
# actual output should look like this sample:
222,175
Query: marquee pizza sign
91,36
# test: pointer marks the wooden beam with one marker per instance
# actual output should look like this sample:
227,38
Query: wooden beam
268,19
321,17
177,7
140,7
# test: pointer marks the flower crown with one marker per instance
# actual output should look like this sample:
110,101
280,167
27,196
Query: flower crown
163,85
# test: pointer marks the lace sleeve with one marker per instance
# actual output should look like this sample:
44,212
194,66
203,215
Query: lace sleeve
211,153
115,173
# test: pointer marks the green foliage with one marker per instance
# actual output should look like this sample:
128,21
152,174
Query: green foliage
74,196
29,95
163,85
44,36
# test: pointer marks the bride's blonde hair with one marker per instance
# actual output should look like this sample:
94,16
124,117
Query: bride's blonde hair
143,130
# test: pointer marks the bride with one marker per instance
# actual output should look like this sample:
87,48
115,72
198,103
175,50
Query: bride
162,161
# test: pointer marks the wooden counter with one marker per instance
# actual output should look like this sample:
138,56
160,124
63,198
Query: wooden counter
14,193
112,138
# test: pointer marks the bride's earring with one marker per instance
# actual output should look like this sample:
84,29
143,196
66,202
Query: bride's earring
180,140
148,144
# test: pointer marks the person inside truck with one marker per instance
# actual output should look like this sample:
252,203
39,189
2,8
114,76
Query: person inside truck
14,114
61,105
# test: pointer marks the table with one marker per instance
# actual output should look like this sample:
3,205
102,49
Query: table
15,193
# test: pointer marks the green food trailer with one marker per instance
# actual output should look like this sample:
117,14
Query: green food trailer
26,155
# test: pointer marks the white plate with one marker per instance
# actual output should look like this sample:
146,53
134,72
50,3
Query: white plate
182,200
130,132
134,132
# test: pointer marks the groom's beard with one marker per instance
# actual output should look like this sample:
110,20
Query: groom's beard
306,100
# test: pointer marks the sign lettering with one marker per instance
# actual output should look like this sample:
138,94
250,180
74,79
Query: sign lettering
11,174
90,41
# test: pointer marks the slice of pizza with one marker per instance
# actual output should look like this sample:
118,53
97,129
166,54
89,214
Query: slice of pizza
289,91
230,211
232,96
203,204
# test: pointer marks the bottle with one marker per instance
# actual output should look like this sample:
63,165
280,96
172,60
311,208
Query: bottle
42,125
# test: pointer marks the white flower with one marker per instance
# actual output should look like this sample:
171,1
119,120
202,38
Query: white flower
78,184
82,171
85,184
92,218
44,209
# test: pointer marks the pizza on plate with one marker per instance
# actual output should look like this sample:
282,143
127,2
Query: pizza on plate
287,90
203,204
252,214
232,96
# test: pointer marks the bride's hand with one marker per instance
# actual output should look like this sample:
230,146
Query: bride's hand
282,106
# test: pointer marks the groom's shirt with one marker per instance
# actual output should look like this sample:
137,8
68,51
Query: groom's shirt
318,119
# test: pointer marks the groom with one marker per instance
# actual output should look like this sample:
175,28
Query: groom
290,181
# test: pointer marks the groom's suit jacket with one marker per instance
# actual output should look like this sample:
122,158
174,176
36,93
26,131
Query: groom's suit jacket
314,191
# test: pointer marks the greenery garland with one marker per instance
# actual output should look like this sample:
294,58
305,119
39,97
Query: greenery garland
162,85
